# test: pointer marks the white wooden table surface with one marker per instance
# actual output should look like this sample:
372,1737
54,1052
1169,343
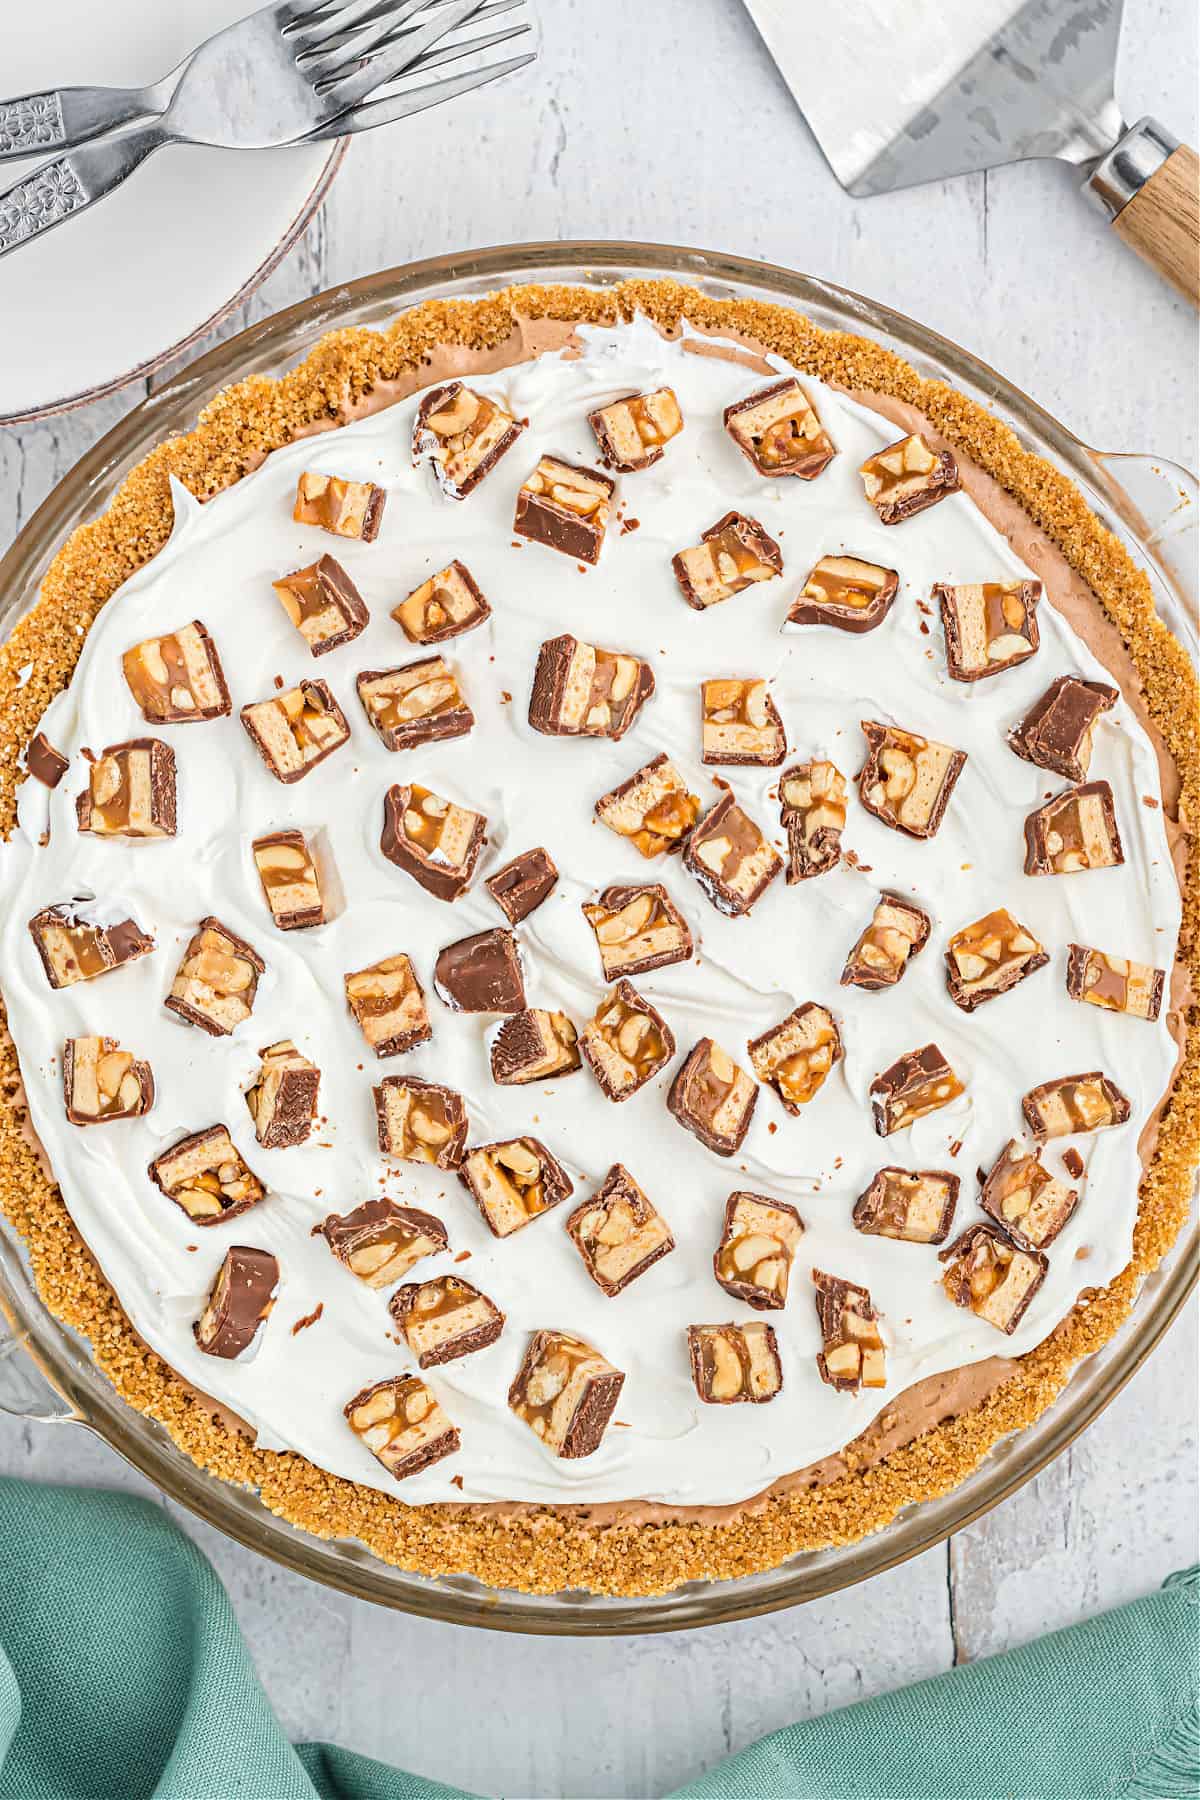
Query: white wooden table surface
670,122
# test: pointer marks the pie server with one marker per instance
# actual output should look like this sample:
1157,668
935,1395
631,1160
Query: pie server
895,98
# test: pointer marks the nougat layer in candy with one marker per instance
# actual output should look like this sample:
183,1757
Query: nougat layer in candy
735,1363
1074,1103
740,723
381,1241
323,604
402,1425
915,1206
75,947
444,1318
1022,1196
653,808
420,703
812,809
434,840
445,606
295,730
420,1121
514,1181
733,554
991,1276
102,1082
626,1043
898,931
522,884
534,1045
846,592
753,1260
730,858
990,956
130,791
1056,733
853,1354
637,928
618,1233
581,691
713,1098
388,1002
283,1099
632,432
779,431
1114,983
291,880
177,678
216,983
481,973
907,477
207,1177
242,1296
349,509
1076,830
907,780
566,1392
565,507
990,626
796,1055
465,434
917,1083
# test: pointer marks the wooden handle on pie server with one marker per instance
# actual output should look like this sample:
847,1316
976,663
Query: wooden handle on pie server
1150,186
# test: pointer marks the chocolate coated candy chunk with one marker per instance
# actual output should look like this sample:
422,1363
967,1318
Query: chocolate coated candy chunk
102,1082
323,604
580,691
906,478
389,1004
1114,983
985,959
349,509
730,857
733,554
618,1233
206,1176
779,431
753,1260
907,780
522,884
627,1043
733,1363
465,434
534,1046
1074,1103
402,1425
653,808
1076,830
420,1121
283,1100
846,592
434,840
177,678
216,983
445,606
1021,1195
713,1098
421,703
638,928
295,730
566,1393
990,626
631,432
853,1354
481,974
796,1055
991,1276
898,931
75,945
565,507
740,723
291,880
1056,733
381,1241
242,1296
812,808
130,791
445,1318
913,1205
513,1182
917,1083
44,762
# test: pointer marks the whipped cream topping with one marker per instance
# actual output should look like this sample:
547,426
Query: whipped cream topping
663,1445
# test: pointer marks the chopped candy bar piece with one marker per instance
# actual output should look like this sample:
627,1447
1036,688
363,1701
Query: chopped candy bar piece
513,1182
618,1233
853,1353
1074,1103
990,626
421,703
177,678
653,808
1114,983
566,1392
323,604
917,1083
206,1176
991,1276
389,1004
445,1318
294,885
1023,1197
907,780
740,723
713,1098
580,691
796,1055
898,931
565,507
732,1363
779,431
481,973
914,1205
445,606
295,730
75,945
102,1082
44,762
130,791
846,592
381,1241
522,884
730,857
283,1099
1056,733
1076,830
638,928
464,434
534,1046
420,1121
987,958
402,1425
906,478
812,808
627,1043
753,1260
434,840
631,432
242,1296
350,509
733,554
216,983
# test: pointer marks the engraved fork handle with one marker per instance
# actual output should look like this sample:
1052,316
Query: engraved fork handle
62,117
56,190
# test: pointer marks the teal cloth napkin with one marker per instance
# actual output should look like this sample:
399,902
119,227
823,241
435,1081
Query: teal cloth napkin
123,1676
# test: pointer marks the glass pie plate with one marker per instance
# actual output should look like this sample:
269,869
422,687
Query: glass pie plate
46,1372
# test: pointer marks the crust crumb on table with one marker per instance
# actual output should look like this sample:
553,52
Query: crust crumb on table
543,1550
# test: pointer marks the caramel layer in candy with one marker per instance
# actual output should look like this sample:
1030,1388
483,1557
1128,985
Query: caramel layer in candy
514,1181
445,1318
565,507
917,1083
465,434
853,1354
753,1260
402,1425
1021,1195
291,880
1056,733
990,626
1114,983
580,691
420,1121
733,554
740,724
713,1098
242,1296
381,1241
130,791
897,932
733,1363
102,1082
730,857
985,959
627,1042
1074,1103
216,983
421,703
297,729
350,509
638,928
796,1055
653,808
907,780
323,604
177,678
44,762
846,592
206,1176
991,1276
777,428
913,1205
445,606
522,884
283,1098
906,478
618,1233
812,808
434,840
566,1392
388,1002
631,432
75,945
481,974
1076,830
534,1046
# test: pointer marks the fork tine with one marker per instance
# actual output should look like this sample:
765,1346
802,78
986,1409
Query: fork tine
356,83
371,113
344,49
491,9
349,16
437,59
